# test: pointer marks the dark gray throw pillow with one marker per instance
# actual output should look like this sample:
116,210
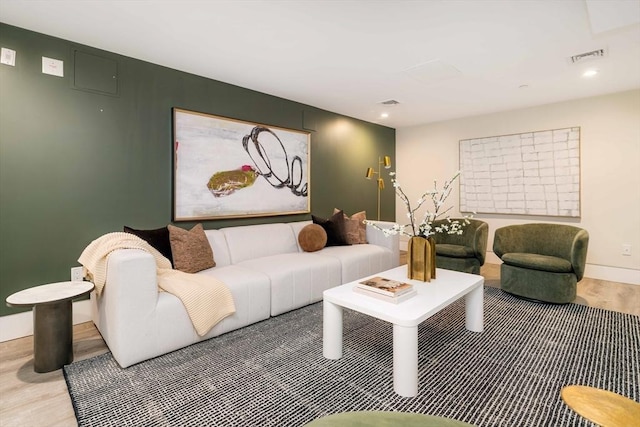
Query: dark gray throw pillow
158,238
334,227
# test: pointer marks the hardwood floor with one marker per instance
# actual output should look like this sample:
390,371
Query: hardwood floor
614,296
30,399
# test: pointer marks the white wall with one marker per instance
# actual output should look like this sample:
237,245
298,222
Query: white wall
21,324
610,171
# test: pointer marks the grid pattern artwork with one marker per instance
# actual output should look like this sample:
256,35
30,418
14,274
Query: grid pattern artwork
533,173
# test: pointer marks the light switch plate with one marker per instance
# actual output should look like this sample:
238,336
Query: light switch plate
54,67
8,57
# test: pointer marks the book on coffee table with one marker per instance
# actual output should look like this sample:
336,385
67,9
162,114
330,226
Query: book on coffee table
383,286
392,299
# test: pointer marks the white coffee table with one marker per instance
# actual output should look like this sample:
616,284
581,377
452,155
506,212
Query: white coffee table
406,316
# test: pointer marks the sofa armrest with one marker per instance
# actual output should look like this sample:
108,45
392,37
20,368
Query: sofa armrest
125,311
480,238
391,242
505,240
579,253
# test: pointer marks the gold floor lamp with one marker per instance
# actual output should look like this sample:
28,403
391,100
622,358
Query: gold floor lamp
382,161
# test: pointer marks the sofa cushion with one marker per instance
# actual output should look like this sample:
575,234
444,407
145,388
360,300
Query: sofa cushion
296,227
251,291
335,228
538,262
297,279
218,244
158,238
358,261
257,241
355,228
454,251
312,238
191,249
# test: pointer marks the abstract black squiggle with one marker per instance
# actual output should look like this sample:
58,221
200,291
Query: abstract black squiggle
293,180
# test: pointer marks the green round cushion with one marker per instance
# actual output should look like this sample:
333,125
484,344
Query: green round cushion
384,419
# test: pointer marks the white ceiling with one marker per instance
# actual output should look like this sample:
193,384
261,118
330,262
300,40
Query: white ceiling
439,59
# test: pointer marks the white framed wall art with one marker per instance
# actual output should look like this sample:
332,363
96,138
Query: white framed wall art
533,173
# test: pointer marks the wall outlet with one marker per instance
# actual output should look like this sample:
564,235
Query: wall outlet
626,250
76,274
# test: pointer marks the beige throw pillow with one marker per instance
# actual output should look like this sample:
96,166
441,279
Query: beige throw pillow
356,229
190,248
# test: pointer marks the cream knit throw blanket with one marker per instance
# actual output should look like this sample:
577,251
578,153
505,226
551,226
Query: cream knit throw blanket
206,299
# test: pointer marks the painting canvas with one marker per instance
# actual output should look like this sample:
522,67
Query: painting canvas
226,168
532,173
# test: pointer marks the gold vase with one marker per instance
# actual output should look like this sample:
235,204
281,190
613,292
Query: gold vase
421,258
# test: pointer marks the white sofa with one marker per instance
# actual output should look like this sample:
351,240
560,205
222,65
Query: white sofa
263,266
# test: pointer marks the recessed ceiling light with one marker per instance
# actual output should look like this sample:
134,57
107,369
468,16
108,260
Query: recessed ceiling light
590,73
384,115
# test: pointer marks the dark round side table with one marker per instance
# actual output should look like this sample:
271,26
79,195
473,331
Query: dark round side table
52,321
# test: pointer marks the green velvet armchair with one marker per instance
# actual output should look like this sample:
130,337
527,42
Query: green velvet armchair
542,262
465,252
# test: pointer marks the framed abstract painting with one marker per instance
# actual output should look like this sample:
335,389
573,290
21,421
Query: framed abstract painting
227,168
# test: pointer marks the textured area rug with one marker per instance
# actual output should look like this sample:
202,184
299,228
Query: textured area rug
273,373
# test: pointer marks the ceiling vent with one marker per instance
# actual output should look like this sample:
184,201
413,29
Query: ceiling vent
390,102
587,56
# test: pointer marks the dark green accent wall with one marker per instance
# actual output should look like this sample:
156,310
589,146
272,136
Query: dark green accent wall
76,164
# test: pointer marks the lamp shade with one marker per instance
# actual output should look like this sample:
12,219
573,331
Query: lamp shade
369,173
387,162
382,161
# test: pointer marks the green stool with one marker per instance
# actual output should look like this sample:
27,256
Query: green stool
384,419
